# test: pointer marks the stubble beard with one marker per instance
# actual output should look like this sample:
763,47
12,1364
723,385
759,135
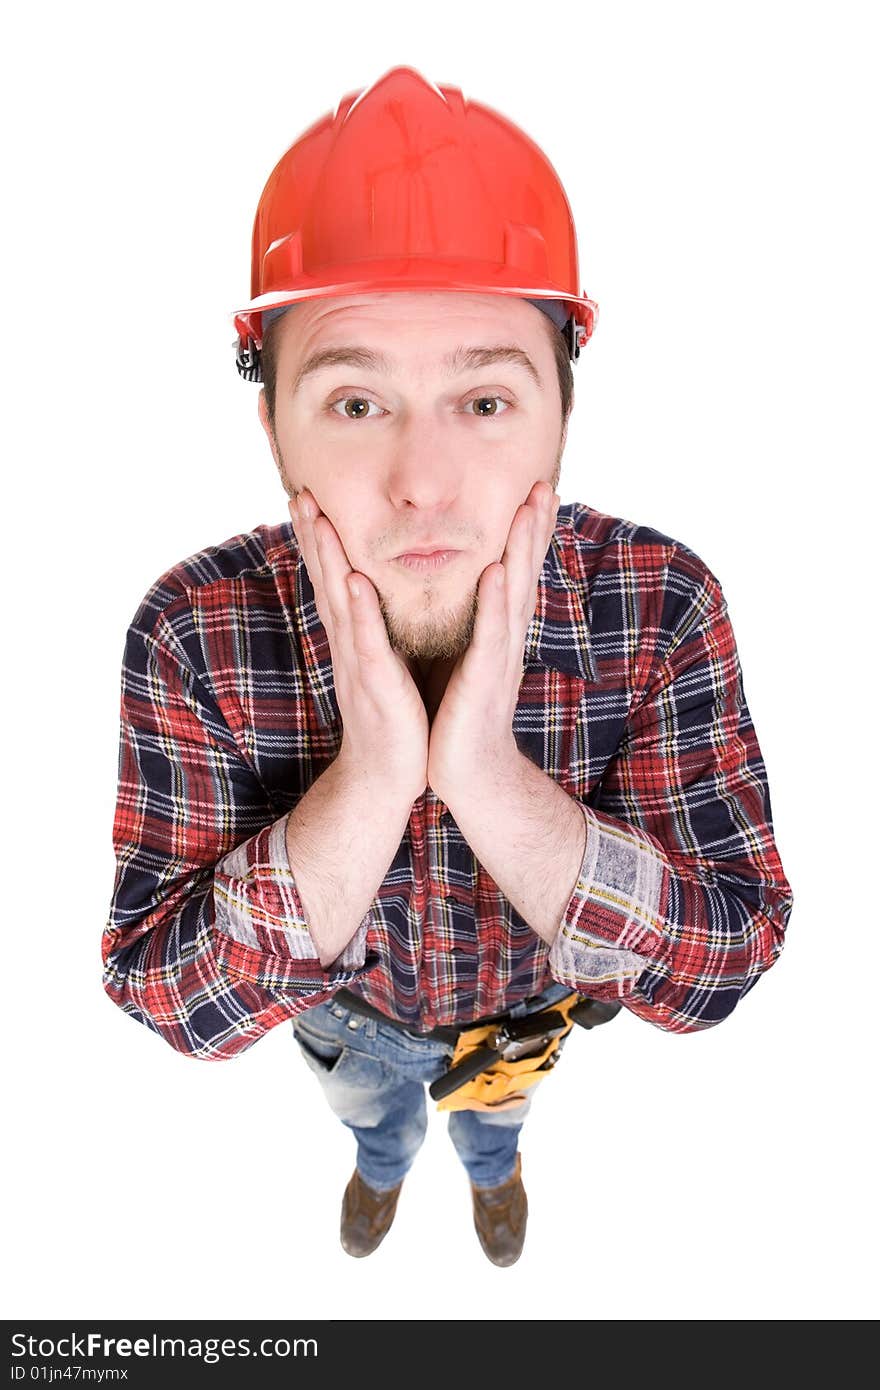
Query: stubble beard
440,632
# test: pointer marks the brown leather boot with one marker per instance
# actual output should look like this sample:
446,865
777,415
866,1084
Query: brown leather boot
366,1215
500,1215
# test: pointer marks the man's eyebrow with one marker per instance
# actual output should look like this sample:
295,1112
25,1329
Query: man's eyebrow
462,359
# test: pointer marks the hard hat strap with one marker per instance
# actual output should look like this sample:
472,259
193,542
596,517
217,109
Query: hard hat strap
247,360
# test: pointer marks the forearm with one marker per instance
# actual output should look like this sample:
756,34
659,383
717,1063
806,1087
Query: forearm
341,838
528,834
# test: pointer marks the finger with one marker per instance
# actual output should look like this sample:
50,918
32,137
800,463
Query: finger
526,550
544,502
335,568
519,563
355,621
323,545
550,518
491,627
368,637
308,543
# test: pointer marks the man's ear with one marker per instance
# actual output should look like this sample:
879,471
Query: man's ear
263,411
565,426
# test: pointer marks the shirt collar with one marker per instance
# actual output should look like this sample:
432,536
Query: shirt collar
557,637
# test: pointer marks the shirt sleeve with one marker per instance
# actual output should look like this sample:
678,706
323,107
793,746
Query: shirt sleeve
681,902
206,943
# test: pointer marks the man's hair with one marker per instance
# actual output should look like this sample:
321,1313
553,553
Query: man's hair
269,364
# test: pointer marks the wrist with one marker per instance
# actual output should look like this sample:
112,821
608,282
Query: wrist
496,763
381,782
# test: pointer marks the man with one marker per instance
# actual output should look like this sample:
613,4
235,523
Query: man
439,755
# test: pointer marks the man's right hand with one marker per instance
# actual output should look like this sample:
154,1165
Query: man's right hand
385,723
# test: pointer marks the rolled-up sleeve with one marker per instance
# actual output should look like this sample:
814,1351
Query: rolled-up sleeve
206,941
261,927
681,902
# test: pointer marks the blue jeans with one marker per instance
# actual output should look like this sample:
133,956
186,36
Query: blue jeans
374,1074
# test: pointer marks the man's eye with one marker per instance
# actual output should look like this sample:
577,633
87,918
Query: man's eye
359,401
488,415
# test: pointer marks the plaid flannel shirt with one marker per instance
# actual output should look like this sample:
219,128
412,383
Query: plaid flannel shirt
631,699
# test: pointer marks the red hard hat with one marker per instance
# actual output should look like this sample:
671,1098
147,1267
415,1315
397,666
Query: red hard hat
407,186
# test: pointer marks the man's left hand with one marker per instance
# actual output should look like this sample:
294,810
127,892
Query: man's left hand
473,727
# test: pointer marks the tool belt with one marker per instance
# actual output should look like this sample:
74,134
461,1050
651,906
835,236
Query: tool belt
497,1060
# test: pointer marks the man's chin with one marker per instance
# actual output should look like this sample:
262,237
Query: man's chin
431,636
428,646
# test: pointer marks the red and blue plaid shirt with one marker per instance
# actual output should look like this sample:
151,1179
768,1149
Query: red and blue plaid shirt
631,699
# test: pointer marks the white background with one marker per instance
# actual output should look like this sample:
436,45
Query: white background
720,161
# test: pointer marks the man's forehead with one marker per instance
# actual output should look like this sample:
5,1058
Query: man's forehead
482,334
405,304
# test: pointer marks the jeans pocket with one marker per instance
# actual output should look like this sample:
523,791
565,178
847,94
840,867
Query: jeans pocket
323,1055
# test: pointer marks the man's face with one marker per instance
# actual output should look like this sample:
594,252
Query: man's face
423,454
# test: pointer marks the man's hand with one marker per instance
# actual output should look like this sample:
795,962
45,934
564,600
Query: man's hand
385,724
473,726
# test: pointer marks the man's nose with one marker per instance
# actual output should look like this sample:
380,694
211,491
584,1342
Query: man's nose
425,470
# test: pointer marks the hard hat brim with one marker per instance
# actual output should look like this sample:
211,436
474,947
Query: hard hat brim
408,275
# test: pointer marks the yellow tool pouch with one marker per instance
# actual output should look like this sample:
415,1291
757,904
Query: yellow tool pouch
524,1051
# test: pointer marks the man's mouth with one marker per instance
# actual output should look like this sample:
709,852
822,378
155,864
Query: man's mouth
426,559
